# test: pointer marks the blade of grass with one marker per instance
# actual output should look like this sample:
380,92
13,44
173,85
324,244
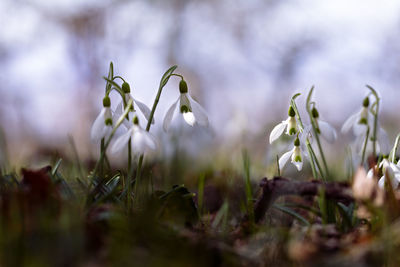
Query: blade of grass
249,193
292,213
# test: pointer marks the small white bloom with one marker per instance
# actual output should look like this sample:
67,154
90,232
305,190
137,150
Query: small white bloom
141,140
390,171
103,123
191,111
142,107
382,142
290,124
294,154
323,128
359,120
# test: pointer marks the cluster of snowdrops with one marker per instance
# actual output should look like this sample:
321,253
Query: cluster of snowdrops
370,140
125,119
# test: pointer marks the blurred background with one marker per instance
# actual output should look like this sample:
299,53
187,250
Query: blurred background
242,60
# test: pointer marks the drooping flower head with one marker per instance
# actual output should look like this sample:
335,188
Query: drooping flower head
294,154
362,117
389,171
127,96
191,111
290,124
322,127
360,122
141,140
103,123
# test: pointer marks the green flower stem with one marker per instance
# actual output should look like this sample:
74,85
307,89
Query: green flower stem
316,161
277,165
375,113
121,92
392,157
107,92
110,77
364,146
119,77
311,153
178,75
102,161
164,80
107,143
117,88
313,159
314,126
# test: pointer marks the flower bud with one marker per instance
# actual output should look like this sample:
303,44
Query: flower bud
183,87
126,88
366,102
106,102
291,112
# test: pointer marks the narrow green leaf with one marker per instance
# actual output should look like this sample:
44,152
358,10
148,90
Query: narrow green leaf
56,166
292,213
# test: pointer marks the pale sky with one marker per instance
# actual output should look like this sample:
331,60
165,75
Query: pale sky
350,36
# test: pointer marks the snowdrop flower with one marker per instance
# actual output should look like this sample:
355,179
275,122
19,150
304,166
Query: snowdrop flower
141,142
382,142
323,128
142,107
389,170
295,154
191,111
103,124
358,119
290,124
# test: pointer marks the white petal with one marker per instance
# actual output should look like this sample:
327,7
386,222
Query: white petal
353,119
169,115
284,158
394,167
143,141
360,129
381,182
383,141
145,110
97,131
189,118
277,131
327,131
359,145
394,182
296,153
299,165
306,133
121,141
118,113
184,100
370,174
107,131
198,112
119,110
